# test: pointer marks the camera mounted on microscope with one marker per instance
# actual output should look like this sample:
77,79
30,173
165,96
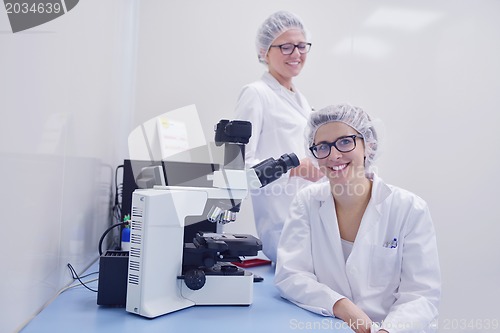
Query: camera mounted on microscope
234,135
235,131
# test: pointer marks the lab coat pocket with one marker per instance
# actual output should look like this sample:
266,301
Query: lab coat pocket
383,266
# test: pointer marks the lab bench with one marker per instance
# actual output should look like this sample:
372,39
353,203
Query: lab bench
76,310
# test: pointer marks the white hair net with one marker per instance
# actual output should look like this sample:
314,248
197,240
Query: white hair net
273,26
349,115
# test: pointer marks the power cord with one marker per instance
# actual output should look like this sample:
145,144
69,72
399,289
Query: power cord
106,232
76,277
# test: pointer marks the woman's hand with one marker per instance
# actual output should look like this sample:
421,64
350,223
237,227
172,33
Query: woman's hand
307,170
350,313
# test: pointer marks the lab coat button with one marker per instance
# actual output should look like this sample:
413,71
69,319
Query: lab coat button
353,271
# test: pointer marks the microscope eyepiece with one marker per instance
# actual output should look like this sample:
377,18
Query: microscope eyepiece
270,169
289,160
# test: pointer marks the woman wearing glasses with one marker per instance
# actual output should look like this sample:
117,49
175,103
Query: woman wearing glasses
354,247
278,113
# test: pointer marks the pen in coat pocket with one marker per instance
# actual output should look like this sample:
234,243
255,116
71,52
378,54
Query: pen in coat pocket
392,244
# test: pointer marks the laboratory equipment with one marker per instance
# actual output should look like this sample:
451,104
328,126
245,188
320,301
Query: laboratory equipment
166,274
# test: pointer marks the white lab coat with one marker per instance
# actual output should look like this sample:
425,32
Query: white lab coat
278,118
398,288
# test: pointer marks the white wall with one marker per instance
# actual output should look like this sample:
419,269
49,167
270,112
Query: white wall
65,92
428,69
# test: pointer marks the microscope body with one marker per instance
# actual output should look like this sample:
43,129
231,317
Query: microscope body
164,273
156,254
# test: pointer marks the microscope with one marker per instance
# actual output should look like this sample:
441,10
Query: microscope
165,274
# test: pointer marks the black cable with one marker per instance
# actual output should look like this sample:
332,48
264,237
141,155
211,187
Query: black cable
117,207
76,277
116,211
116,183
87,275
106,232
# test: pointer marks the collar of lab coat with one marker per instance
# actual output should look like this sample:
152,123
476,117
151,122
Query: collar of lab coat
303,108
273,83
380,192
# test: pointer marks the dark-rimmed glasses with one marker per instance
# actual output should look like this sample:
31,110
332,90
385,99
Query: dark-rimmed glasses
343,144
288,48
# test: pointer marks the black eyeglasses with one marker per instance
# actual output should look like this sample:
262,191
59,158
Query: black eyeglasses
343,144
288,48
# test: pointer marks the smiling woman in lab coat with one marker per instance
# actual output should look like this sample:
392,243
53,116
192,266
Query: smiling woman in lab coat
355,247
278,113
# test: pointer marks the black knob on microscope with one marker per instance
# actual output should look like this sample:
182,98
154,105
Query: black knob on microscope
195,279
